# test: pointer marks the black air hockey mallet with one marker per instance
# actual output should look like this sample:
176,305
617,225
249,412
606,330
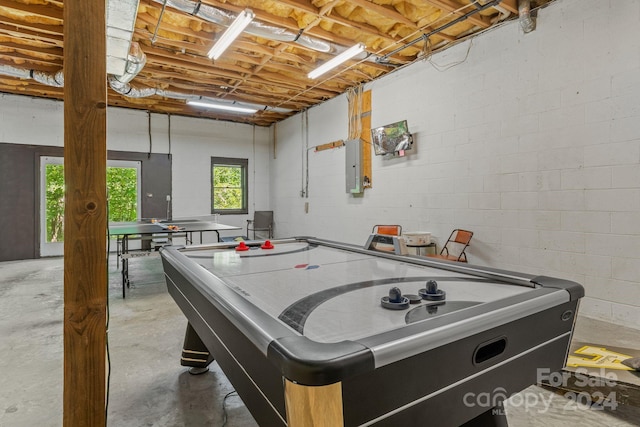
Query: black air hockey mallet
431,292
395,300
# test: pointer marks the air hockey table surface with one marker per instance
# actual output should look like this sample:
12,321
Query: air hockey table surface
307,315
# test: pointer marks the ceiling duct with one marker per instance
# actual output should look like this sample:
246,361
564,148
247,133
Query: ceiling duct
120,83
527,23
121,17
135,61
56,79
10,71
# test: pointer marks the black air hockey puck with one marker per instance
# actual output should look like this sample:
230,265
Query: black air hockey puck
413,299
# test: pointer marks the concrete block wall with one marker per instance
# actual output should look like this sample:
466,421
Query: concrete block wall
530,140
192,143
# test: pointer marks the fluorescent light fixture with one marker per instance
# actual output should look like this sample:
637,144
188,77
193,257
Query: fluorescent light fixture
234,30
226,107
332,63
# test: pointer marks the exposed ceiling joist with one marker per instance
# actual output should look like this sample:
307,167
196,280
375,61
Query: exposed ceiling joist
267,67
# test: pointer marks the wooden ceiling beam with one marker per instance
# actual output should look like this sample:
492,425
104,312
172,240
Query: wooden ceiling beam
203,49
306,7
385,11
229,71
175,107
265,59
206,39
249,91
510,5
286,23
183,31
24,61
367,30
454,8
52,51
30,66
29,35
181,108
33,27
252,89
254,69
230,55
33,88
169,106
47,10
187,47
204,66
280,53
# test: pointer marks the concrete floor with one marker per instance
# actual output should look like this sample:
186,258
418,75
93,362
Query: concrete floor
148,387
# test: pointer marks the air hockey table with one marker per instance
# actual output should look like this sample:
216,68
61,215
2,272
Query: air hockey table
301,332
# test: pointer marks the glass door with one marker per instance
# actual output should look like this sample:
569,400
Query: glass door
123,195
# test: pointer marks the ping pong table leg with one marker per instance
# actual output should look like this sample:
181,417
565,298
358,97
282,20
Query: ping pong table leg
125,276
125,264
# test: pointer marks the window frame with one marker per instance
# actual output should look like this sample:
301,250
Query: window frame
244,167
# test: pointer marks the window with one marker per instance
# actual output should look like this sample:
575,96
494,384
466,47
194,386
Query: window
229,188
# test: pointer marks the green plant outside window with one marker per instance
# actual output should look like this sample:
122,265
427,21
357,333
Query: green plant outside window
122,185
229,185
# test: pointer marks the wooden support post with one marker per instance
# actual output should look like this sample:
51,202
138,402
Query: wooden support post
309,406
85,220
366,138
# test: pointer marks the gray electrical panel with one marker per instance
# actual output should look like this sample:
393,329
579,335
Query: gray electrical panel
353,166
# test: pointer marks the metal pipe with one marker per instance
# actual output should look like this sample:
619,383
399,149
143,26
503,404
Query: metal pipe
155,32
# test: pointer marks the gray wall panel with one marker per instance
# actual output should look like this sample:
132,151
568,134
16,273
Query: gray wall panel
20,198
17,183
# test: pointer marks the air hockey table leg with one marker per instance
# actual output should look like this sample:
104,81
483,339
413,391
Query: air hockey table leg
194,353
318,406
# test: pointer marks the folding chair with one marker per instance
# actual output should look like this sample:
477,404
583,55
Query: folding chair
454,249
262,221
